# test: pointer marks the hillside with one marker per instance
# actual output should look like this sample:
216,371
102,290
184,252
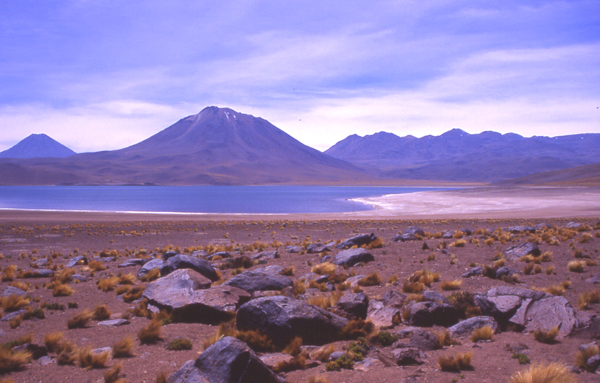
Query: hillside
37,146
588,175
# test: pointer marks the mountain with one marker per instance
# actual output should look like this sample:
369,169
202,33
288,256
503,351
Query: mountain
459,156
215,146
36,146
588,175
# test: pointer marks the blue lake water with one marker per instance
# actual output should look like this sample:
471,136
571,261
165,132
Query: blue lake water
194,199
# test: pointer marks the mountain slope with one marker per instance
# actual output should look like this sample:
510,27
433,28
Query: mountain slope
459,156
36,146
588,175
215,146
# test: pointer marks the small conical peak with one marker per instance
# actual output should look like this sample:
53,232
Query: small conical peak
455,133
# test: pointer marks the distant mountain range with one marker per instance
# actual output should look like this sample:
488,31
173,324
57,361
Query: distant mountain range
222,146
37,145
462,157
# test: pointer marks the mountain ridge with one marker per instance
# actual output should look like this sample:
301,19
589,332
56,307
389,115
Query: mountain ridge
37,146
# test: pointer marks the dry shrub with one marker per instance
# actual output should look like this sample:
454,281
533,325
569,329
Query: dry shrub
583,354
424,276
566,284
15,322
151,333
122,289
544,373
96,266
141,310
289,271
13,360
446,338
242,262
20,285
376,244
373,279
161,377
298,288
544,336
256,340
323,353
591,262
585,238
459,243
101,312
550,270
293,348
451,285
546,256
128,279
489,272
52,340
528,269
586,298
317,379
66,353
482,333
151,275
13,302
8,273
64,276
179,344
393,279
89,359
325,268
576,266
112,375
135,293
80,320
296,363
455,363
555,290
412,287
62,290
464,303
123,348
107,284
325,301
358,328
321,286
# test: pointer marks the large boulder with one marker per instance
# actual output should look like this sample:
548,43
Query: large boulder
424,340
353,257
228,360
255,280
358,241
181,261
316,248
283,318
515,252
411,234
187,295
354,304
154,263
383,316
427,314
467,326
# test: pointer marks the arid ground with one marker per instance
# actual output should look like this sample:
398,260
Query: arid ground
26,237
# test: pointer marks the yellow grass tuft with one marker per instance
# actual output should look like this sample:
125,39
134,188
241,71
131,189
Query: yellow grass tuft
425,277
89,359
112,375
128,279
459,243
150,333
412,287
455,363
161,377
325,268
52,340
107,284
323,353
555,289
13,361
101,312
298,288
13,302
123,348
80,320
96,266
62,290
317,379
373,279
544,373
576,266
133,294
544,336
451,285
583,355
586,298
482,333
446,338
358,328
151,275
256,340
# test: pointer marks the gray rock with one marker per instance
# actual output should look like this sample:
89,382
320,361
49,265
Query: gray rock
75,260
448,234
354,304
46,360
515,252
169,254
368,364
394,299
408,356
79,278
266,255
273,359
473,272
187,296
36,351
594,279
593,363
105,259
181,261
252,281
573,225
359,240
505,270
434,296
427,314
424,340
336,355
12,315
42,262
550,312
273,270
353,281
230,360
188,373
520,229
221,254
283,318
133,262
114,322
352,257
294,249
11,290
42,273
154,263
466,327
383,316
317,248
199,254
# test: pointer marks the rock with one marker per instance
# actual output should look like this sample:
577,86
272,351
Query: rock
41,262
394,299
473,272
383,316
12,315
199,254
294,249
188,373
273,270
358,241
46,360
427,314
550,312
283,318
187,296
326,258
266,255
448,234
411,234
515,252
114,322
466,327
36,351
76,260
230,360
353,281
434,296
594,279
181,261
79,278
354,304
573,225
105,259
154,263
252,281
408,356
11,290
424,340
521,229
505,270
271,360
220,254
593,363
368,364
317,248
169,254
133,262
336,355
42,273
352,257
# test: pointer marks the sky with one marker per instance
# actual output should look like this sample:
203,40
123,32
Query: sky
102,75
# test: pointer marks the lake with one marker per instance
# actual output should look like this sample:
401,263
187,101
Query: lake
195,199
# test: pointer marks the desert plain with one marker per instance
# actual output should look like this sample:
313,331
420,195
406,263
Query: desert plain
462,230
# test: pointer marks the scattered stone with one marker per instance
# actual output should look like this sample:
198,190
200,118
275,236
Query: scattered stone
266,255
79,278
409,356
36,351
448,234
41,262
252,281
273,270
272,360
355,304
383,316
283,318
133,262
353,281
317,248
294,249
394,299
46,360
105,259
153,263
424,340
475,271
358,241
353,257
505,270
595,279
521,229
336,355
169,254
199,254
181,261
427,314
593,363
413,233
114,322
11,290
466,327
434,296
368,364
12,315
41,273
515,252
75,260
220,254
573,225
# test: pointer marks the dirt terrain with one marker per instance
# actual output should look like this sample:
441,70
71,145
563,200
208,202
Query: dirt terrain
23,241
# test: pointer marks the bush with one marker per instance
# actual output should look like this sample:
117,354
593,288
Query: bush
13,302
317,379
522,358
586,298
425,277
296,363
584,354
373,279
128,279
540,373
464,303
101,312
482,333
256,340
89,359
445,339
384,338
576,266
412,287
52,340
342,362
289,271
112,375
357,328
451,285
150,333
555,290
179,344
455,363
545,336
80,320
325,268
13,361
107,284
96,266
134,294
123,348
151,275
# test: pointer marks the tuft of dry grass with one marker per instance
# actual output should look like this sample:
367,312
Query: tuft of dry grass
61,290
584,354
298,288
161,377
585,238
446,338
323,353
179,344
544,336
317,379
459,243
107,284
425,277
80,320
555,290
122,289
576,266
586,298
101,312
482,333
123,348
134,294
13,361
96,266
455,363
128,279
66,353
15,322
112,375
373,279
288,271
88,359
293,348
8,274
451,285
151,275
52,340
544,373
325,301
358,328
13,302
298,362
324,268
412,287
151,333
256,340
